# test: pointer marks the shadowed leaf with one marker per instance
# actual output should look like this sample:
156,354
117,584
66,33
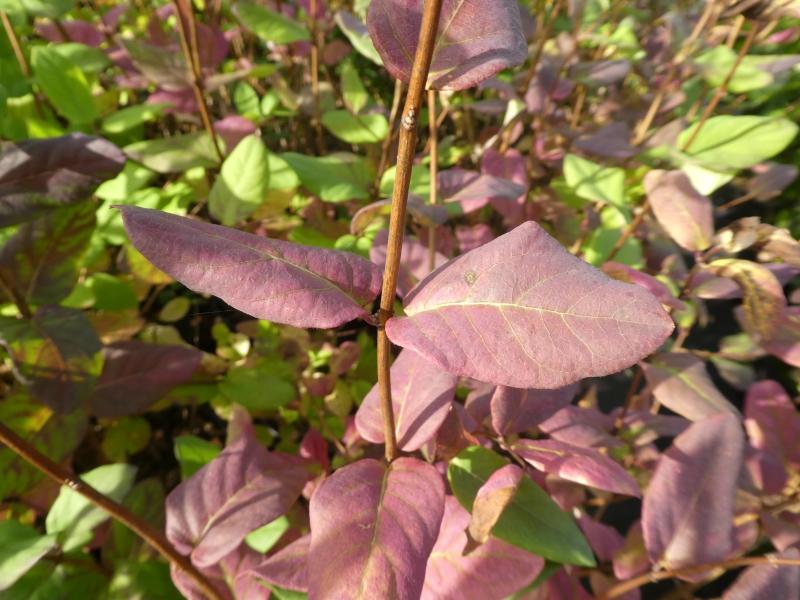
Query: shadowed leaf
414,260
515,410
551,317
767,581
288,567
475,40
373,528
491,500
772,421
268,279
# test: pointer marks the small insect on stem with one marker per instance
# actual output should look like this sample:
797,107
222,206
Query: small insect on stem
409,120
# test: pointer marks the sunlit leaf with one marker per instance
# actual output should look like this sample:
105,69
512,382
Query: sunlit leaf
682,211
242,183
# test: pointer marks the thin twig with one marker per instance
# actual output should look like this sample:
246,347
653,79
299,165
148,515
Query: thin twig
630,229
723,88
733,563
397,218
314,66
543,34
149,534
434,172
387,141
15,45
190,52
17,298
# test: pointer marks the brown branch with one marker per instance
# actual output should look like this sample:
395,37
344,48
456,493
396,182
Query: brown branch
723,88
629,230
397,218
145,531
15,45
190,52
434,171
733,563
390,136
17,298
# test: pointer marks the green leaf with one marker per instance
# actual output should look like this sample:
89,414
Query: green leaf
729,142
102,291
246,101
86,58
337,177
531,520
270,26
356,129
420,181
132,178
72,517
149,580
600,243
132,116
192,453
175,154
715,65
264,538
124,437
46,581
595,182
21,546
52,9
262,388
358,35
145,500
353,90
42,260
64,85
242,183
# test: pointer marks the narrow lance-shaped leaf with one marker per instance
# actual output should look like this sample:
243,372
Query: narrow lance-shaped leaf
685,214
373,528
493,571
581,465
531,520
268,279
39,175
764,301
688,507
41,261
523,312
680,382
242,489
475,40
421,396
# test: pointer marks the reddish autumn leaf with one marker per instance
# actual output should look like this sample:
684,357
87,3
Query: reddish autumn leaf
767,581
421,397
786,342
514,410
492,571
575,463
242,489
38,175
136,374
414,260
581,426
611,141
688,509
772,421
492,499
288,567
680,382
511,165
475,39
472,190
523,312
373,528
682,211
268,279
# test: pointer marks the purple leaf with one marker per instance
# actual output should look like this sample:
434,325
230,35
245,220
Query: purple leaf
233,129
38,175
288,567
612,141
493,571
136,374
42,260
515,410
600,73
786,342
424,214
581,465
242,489
513,166
77,31
604,540
680,382
421,398
767,581
688,509
475,40
471,237
373,528
586,427
770,180
492,499
682,211
472,191
628,274
268,279
772,421
523,312
414,260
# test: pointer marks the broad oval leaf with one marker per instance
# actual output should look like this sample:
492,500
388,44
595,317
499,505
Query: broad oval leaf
688,508
64,84
476,39
772,421
356,129
515,410
472,190
761,582
523,312
243,181
39,175
532,520
680,382
268,279
493,571
21,546
373,528
682,211
491,500
242,489
581,465
269,25
421,397
336,177
358,34
136,374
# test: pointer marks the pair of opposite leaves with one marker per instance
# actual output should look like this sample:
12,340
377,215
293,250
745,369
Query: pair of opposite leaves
519,311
